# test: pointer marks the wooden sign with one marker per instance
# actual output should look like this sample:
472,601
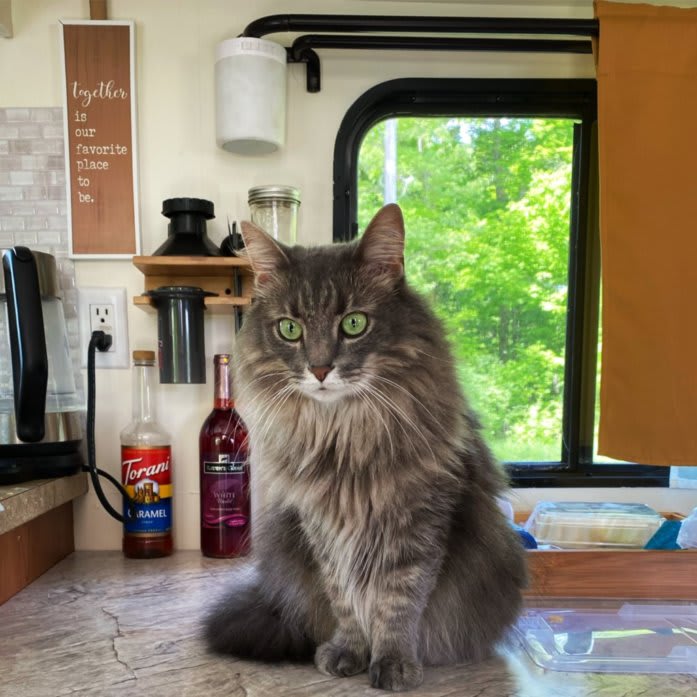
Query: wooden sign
100,138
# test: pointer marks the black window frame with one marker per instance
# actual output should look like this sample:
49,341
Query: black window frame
561,98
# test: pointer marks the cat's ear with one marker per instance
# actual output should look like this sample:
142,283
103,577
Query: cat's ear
264,253
381,249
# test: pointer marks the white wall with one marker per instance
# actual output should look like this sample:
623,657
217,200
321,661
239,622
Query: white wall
178,157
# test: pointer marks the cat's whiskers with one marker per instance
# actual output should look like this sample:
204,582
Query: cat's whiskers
363,394
273,407
436,423
246,387
397,417
266,376
256,422
259,401
447,361
434,464
401,415
257,393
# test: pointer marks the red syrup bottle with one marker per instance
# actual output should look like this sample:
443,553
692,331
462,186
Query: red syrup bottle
224,473
146,470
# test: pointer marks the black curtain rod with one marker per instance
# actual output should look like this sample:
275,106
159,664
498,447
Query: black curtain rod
433,43
302,50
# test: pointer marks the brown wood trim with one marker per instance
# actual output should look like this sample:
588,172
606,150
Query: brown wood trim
215,305
648,574
188,266
34,547
98,9
5,19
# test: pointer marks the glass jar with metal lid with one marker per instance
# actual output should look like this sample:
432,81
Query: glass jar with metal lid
274,208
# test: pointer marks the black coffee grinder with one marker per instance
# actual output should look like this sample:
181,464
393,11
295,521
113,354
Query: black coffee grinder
186,232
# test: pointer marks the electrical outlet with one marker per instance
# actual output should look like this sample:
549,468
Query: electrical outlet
102,317
104,309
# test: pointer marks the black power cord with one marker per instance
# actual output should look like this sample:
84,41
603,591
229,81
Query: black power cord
101,342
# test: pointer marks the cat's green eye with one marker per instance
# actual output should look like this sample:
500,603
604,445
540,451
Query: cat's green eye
354,324
289,329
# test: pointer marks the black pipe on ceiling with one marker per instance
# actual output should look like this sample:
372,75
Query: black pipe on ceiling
303,48
435,25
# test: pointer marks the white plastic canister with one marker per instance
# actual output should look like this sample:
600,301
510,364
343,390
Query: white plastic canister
250,87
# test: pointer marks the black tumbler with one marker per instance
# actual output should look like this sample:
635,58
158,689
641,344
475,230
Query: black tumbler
180,337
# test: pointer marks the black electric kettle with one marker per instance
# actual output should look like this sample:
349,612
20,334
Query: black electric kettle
40,423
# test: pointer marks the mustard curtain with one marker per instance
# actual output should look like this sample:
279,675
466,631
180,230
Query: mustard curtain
647,128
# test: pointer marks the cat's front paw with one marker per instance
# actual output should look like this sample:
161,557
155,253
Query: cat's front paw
395,673
342,661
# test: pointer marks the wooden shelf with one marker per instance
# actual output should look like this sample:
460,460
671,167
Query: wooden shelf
230,277
190,266
215,304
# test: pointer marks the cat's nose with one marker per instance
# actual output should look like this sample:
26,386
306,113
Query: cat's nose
321,371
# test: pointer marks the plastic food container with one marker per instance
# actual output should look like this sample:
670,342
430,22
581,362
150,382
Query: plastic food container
578,525
634,639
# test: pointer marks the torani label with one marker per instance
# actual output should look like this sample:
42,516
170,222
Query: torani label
146,474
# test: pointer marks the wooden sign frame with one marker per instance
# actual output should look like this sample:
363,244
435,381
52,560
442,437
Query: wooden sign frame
101,155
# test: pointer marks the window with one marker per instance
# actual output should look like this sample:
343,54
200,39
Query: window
496,179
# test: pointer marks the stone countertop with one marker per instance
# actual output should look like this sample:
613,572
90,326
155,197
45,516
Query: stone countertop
100,625
20,503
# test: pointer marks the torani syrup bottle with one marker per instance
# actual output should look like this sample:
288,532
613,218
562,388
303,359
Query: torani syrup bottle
146,469
224,468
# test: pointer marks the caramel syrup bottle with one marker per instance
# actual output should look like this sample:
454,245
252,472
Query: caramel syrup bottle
146,470
224,472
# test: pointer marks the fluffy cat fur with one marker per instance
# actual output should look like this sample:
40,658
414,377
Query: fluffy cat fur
378,544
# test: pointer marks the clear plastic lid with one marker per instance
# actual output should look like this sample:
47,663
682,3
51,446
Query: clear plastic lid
634,639
575,524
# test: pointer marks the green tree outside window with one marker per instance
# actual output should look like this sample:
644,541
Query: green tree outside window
487,208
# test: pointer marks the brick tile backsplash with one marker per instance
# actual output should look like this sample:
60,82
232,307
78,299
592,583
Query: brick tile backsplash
28,238
33,203
21,146
46,115
22,178
11,193
34,193
17,114
10,163
8,131
52,130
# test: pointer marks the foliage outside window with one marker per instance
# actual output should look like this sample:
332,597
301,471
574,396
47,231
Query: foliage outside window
487,206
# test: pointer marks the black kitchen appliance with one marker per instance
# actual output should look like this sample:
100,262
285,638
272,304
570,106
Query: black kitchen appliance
186,232
40,422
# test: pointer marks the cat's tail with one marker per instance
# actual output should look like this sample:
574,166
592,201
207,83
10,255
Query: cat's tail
246,622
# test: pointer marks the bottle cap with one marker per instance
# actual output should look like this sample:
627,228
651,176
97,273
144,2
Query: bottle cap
140,355
221,358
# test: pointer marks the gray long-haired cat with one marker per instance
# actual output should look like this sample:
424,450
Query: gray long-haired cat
380,544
